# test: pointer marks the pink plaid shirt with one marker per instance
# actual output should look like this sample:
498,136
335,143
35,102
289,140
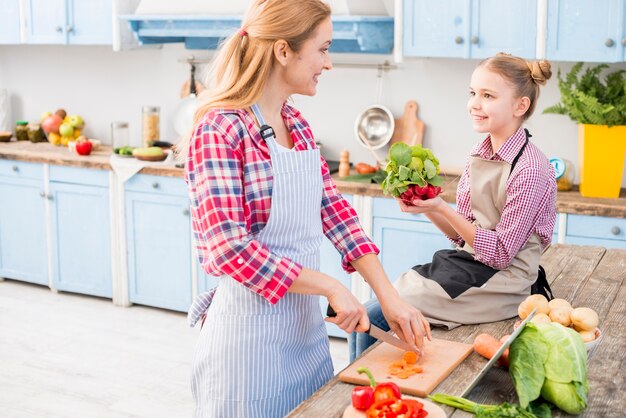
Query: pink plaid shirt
530,204
229,174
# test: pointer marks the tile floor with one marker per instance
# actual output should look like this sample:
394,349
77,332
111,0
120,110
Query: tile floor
66,355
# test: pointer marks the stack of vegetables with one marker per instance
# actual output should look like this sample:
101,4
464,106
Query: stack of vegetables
412,173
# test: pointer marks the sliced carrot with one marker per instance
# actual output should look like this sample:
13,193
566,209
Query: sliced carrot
410,357
398,363
405,367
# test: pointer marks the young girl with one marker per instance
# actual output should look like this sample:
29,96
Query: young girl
506,209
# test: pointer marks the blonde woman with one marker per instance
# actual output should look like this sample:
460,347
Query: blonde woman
262,200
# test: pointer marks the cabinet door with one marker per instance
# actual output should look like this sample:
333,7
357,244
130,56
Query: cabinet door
596,230
81,239
23,242
45,21
158,238
10,21
436,28
503,26
582,30
90,22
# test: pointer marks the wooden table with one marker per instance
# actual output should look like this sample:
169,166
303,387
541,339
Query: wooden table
586,276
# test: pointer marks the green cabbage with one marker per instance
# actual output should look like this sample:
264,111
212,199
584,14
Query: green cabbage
550,360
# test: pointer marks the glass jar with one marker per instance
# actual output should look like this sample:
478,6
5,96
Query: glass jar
564,172
150,125
35,133
21,130
119,135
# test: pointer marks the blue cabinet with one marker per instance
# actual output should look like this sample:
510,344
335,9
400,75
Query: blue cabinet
23,238
596,230
469,28
81,230
581,30
71,22
10,21
158,240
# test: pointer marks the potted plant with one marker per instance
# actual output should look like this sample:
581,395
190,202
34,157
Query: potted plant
599,107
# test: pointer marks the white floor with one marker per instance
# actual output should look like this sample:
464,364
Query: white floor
66,355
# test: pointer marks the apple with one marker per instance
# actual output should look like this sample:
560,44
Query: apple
76,121
52,123
83,147
65,129
45,115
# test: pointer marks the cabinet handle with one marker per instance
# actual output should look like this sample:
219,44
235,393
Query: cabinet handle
616,230
42,193
623,41
474,40
70,29
49,196
458,40
186,212
609,42
155,185
15,168
59,29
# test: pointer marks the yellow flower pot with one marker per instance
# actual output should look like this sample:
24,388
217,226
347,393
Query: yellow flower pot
601,152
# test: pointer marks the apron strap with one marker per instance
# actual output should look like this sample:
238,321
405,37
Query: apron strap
521,151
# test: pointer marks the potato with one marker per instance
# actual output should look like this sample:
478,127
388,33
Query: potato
531,302
584,319
541,318
587,336
559,303
561,315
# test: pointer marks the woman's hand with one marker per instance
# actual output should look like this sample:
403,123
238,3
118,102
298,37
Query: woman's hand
422,206
406,321
351,314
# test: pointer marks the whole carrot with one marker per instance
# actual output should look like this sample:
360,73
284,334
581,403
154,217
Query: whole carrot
487,345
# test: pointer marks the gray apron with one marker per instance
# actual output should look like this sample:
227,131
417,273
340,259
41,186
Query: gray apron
454,288
254,359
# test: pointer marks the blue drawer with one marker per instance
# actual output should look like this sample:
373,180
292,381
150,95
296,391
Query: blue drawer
596,227
157,184
20,169
388,208
79,175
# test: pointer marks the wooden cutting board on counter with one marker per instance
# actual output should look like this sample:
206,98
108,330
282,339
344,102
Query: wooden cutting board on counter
408,128
440,358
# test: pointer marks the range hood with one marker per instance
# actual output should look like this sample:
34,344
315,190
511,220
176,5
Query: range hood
202,24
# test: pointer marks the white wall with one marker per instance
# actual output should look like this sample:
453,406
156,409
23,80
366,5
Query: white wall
103,86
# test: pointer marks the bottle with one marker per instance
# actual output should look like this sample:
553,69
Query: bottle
119,135
150,125
344,163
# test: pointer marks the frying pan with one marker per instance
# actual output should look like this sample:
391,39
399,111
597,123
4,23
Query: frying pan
184,111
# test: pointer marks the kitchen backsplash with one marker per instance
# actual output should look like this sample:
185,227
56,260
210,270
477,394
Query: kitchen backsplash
105,86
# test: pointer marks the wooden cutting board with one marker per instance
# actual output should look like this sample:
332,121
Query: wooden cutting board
440,358
408,128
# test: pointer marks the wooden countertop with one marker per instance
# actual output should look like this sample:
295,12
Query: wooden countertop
586,276
567,202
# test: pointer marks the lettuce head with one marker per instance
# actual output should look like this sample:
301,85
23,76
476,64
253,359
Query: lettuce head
550,360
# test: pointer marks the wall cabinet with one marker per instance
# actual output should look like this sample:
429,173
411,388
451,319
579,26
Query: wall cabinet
469,28
23,238
10,21
158,241
70,22
580,30
80,231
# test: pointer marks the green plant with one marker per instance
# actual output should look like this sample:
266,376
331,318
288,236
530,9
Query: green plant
587,99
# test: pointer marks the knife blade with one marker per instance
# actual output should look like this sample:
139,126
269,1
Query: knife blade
379,334
496,356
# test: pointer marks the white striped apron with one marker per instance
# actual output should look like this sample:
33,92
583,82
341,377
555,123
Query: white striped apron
254,359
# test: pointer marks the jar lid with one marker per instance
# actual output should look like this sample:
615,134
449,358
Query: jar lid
21,123
119,125
559,166
150,109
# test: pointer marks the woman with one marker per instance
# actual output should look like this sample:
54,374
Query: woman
506,209
262,199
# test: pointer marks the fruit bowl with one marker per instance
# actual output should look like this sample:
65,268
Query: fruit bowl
151,157
5,136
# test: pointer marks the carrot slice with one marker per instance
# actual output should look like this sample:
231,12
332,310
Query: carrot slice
410,357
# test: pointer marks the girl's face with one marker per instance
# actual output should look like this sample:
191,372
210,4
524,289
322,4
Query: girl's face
492,104
305,66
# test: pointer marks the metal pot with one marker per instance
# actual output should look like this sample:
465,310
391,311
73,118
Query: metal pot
374,127
186,108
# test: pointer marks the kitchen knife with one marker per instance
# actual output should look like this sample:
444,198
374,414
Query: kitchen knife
379,334
496,356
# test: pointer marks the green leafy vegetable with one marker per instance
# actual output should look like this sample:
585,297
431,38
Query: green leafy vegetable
504,410
550,360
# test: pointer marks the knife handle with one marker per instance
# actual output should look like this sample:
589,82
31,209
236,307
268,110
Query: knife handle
330,312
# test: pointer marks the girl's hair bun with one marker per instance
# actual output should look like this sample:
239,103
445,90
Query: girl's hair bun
540,71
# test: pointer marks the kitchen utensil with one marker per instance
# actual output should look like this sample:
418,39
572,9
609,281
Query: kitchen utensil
374,127
378,333
434,410
496,356
439,359
408,128
185,110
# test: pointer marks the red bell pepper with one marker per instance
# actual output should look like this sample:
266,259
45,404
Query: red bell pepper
382,391
362,397
391,408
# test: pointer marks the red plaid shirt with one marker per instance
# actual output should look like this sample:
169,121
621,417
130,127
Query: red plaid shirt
530,206
229,174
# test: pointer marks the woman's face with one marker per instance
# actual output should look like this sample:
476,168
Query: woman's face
305,66
492,104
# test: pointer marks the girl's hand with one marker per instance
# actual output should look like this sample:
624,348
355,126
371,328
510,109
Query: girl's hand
422,206
406,321
351,314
